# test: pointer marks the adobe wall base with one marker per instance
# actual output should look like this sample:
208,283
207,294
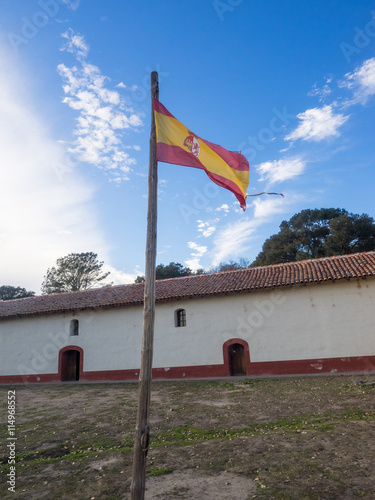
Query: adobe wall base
360,364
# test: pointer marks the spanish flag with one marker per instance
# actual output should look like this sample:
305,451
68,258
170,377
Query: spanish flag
178,145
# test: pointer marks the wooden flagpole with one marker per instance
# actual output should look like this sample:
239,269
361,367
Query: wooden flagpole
142,430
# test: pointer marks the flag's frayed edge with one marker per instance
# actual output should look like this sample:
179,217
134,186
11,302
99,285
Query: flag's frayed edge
260,194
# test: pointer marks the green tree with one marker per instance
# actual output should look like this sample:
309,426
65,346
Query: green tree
172,270
76,271
8,292
232,265
318,233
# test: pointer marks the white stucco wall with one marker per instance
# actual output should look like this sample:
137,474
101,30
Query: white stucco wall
324,320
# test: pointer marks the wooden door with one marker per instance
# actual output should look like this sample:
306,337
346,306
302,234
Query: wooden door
237,361
70,368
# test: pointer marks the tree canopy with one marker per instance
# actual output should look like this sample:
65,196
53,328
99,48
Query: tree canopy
171,270
232,265
317,233
76,271
177,270
8,292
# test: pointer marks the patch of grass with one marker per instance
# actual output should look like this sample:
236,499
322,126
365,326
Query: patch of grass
185,435
127,442
357,414
251,383
160,472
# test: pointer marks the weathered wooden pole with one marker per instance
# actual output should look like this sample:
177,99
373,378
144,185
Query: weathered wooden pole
142,430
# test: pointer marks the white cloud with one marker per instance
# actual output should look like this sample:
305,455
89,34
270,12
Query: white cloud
321,92
48,205
200,250
362,81
119,277
209,231
233,240
206,228
223,208
268,207
103,115
121,85
75,44
281,170
236,238
193,264
317,124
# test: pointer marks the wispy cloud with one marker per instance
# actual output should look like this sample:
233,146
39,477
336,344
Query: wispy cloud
206,228
49,205
118,277
321,92
103,115
281,170
317,124
268,207
198,252
223,208
233,240
75,44
54,216
361,81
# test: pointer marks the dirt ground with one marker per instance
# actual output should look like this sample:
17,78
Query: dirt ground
236,439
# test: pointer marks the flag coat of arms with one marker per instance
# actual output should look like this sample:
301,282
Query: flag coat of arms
178,145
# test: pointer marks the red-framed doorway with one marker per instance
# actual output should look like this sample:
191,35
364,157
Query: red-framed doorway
236,355
70,363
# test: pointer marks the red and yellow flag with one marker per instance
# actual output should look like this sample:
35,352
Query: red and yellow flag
178,145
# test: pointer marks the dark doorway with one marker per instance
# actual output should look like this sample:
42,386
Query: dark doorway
237,363
70,366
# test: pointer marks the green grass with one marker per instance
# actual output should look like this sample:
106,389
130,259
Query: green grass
187,435
160,472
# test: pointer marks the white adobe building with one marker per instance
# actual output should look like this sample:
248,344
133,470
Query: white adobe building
303,317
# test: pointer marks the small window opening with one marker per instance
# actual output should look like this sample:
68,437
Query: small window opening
180,317
74,327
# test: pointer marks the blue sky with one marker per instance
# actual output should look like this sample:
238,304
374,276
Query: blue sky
291,84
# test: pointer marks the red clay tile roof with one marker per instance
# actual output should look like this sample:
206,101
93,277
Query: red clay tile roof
357,265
